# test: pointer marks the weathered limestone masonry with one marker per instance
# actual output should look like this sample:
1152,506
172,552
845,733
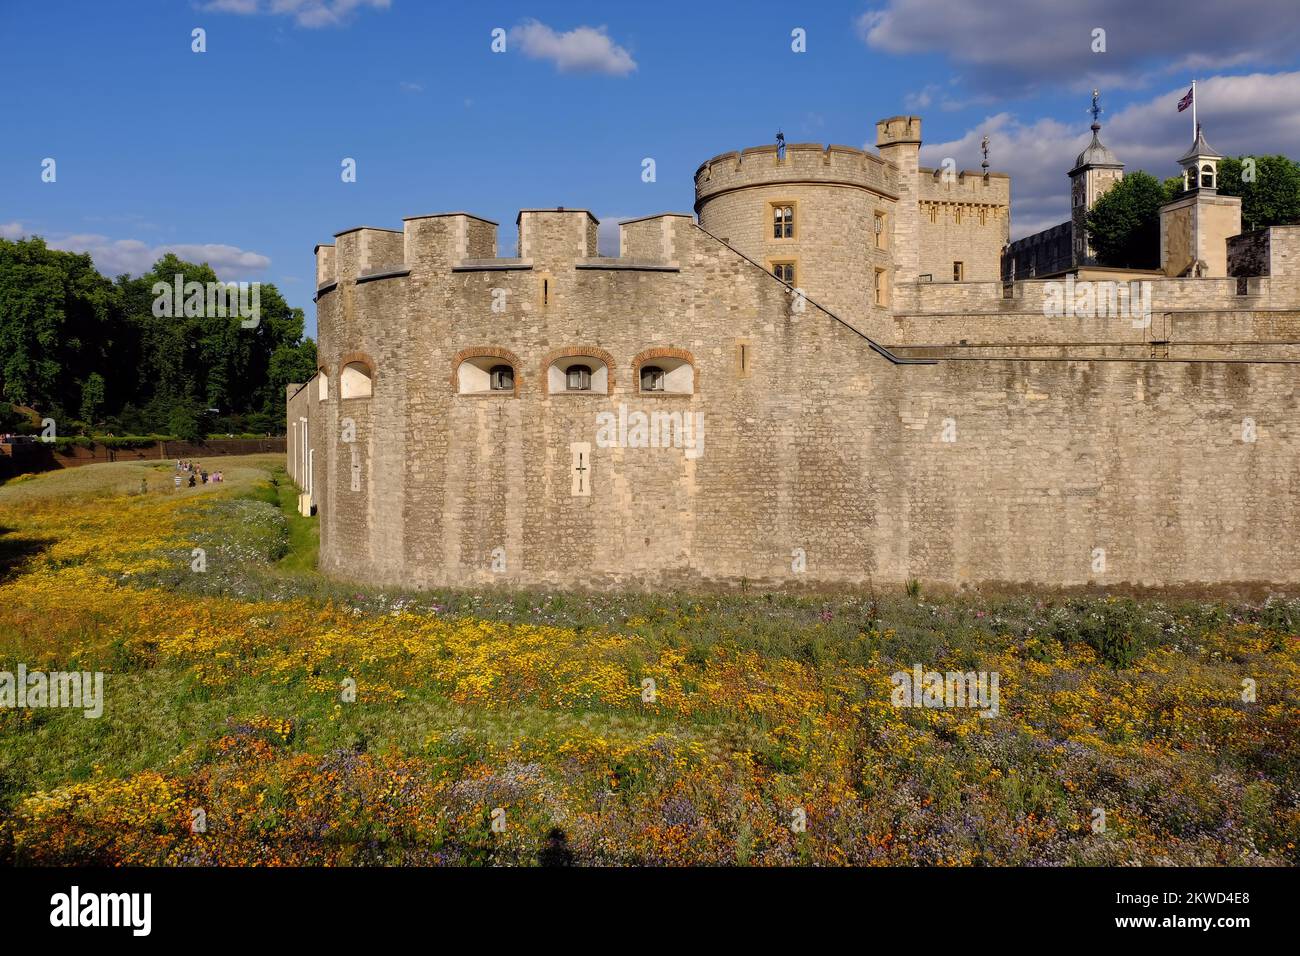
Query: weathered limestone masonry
835,192
1255,317
1274,251
453,435
863,224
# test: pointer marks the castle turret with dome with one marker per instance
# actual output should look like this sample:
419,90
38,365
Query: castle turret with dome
1095,171
1064,247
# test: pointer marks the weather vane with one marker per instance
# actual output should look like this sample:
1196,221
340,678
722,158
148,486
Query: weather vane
780,144
1095,110
984,148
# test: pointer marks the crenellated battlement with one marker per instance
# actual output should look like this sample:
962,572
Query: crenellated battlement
967,186
438,241
325,271
459,241
898,130
802,163
364,249
551,234
653,238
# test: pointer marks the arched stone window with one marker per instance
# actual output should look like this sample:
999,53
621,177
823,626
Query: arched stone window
665,372
485,371
579,371
1207,176
356,380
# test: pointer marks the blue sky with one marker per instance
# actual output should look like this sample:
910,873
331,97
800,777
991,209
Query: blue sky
233,155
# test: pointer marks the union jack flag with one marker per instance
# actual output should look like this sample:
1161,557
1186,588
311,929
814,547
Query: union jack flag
1185,102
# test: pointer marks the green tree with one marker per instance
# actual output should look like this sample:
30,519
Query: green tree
72,342
188,423
92,397
1124,225
60,320
1273,196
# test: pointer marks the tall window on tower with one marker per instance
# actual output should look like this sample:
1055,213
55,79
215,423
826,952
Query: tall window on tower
958,271
784,271
880,230
783,221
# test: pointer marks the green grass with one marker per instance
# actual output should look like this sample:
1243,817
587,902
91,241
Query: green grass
303,533
124,477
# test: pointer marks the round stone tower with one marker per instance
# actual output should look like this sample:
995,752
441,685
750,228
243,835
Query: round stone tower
820,217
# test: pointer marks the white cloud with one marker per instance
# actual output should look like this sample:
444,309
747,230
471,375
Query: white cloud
944,98
1017,45
116,256
306,13
581,50
408,87
1240,115
11,230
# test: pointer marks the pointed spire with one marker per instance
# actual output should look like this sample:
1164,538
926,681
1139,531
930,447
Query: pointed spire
1096,154
1200,149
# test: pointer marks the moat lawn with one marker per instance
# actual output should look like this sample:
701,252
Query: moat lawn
256,712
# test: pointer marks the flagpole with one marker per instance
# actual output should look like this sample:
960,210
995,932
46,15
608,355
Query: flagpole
1195,128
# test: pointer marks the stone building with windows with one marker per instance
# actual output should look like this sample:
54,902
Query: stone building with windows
817,379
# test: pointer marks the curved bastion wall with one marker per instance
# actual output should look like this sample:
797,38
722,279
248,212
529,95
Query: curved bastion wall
836,194
811,456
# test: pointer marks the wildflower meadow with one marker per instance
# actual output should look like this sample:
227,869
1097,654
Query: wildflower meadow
256,713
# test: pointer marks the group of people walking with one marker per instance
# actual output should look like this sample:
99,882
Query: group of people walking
197,474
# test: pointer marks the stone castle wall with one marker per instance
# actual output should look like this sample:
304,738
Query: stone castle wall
1027,296
1058,472
965,219
1274,251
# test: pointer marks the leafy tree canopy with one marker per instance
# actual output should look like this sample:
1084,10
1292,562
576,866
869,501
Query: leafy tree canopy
1124,224
1270,196
74,343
